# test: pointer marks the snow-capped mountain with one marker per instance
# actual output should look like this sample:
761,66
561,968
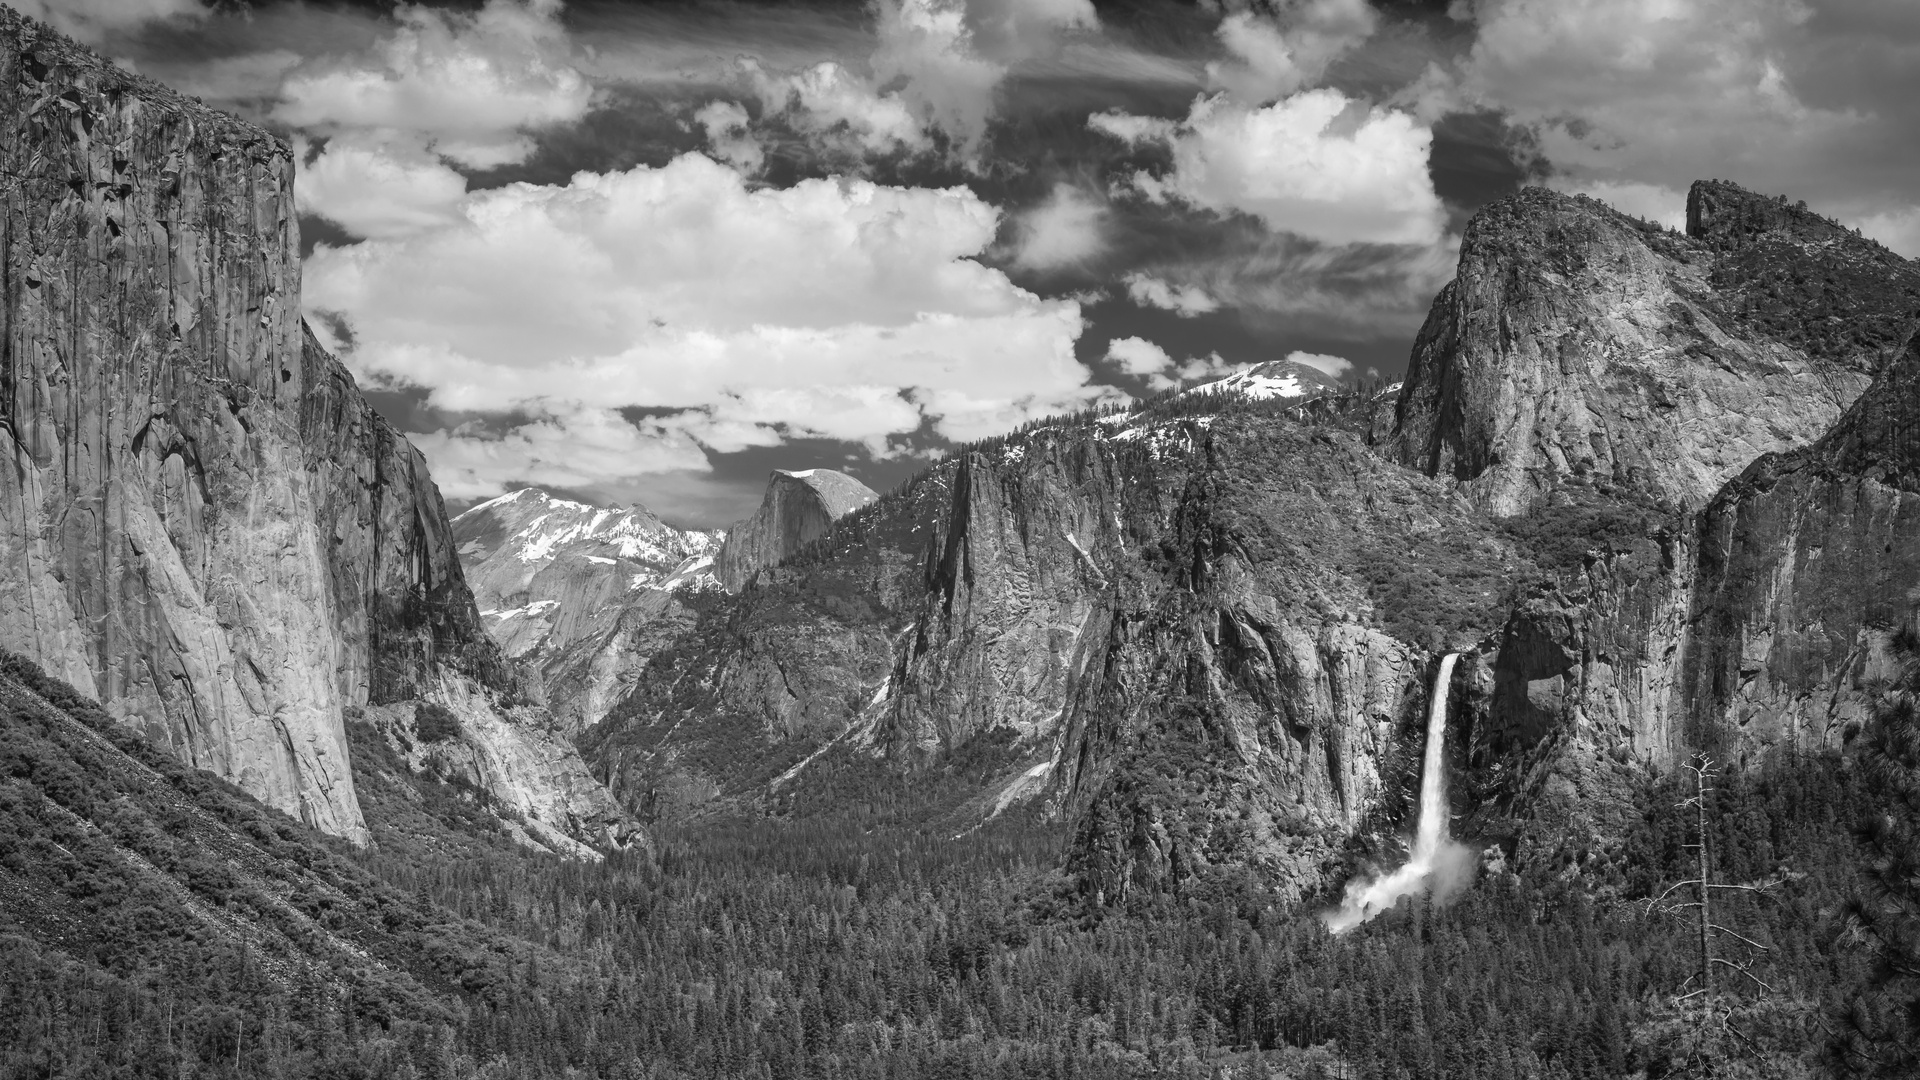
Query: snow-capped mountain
1272,379
554,578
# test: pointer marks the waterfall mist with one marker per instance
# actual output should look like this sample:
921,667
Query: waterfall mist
1435,862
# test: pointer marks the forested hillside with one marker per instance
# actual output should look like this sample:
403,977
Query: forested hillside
157,922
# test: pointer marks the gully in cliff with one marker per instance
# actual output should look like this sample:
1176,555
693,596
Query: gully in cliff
1436,862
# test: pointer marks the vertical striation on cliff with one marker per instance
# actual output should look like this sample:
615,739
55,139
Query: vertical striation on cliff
206,526
163,544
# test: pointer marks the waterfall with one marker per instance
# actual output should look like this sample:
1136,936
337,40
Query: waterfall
1434,857
1433,780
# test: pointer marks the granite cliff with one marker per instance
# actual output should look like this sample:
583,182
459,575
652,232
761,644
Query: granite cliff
1809,561
207,528
1576,341
797,509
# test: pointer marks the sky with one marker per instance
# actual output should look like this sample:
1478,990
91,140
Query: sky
645,252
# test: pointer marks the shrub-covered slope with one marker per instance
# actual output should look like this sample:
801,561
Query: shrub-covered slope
156,920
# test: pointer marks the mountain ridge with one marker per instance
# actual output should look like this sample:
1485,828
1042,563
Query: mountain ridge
569,588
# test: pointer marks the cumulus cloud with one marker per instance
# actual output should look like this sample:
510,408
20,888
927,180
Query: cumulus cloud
576,448
467,86
928,45
1137,356
371,187
1185,301
95,20
835,308
937,66
1274,55
1318,164
837,106
725,125
1064,230
1334,366
1132,129
438,89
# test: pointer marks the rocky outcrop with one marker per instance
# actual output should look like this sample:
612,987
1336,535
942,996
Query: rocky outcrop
207,527
1760,625
571,589
1578,342
797,509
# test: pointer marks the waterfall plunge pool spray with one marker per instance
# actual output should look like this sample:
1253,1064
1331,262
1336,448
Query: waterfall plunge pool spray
1435,859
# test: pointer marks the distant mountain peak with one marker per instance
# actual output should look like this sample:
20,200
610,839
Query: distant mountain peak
546,570
797,509
1268,380
540,527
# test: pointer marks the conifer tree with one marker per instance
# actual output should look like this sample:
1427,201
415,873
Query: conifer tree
1880,1033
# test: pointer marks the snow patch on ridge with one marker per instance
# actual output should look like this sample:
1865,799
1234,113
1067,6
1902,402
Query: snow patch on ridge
1256,385
538,607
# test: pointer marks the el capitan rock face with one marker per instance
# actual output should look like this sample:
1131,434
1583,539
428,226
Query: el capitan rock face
163,531
207,527
797,509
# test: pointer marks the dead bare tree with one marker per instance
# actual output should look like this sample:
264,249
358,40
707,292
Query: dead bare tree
1715,1011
